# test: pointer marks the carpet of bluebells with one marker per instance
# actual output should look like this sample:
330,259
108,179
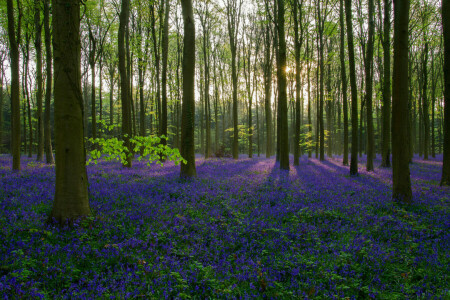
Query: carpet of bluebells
242,230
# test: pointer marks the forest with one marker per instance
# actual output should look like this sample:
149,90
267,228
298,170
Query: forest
225,149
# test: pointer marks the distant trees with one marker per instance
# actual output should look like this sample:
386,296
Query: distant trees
241,97
71,196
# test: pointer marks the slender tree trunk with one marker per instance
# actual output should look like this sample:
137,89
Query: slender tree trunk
1,107
351,56
400,154
426,117
282,95
297,44
369,90
386,138
267,91
38,47
165,55
15,85
48,87
446,30
188,108
343,79
124,80
71,194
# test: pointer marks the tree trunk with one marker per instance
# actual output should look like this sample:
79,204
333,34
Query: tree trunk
282,95
446,30
165,55
48,87
351,56
188,107
297,44
343,80
15,101
400,154
268,90
38,47
369,78
71,195
426,117
386,137
124,80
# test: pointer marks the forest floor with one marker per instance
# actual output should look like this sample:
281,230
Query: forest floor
243,229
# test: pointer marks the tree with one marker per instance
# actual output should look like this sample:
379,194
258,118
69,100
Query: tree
446,31
38,46
71,195
48,87
343,80
188,106
124,80
400,154
386,133
369,76
282,94
233,8
297,45
165,52
351,57
15,101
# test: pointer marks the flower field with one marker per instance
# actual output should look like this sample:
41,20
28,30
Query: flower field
242,230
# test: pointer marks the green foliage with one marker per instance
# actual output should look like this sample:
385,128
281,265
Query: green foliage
150,148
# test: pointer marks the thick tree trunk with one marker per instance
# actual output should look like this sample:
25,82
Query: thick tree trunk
71,195
38,47
446,30
351,56
48,87
15,101
400,154
124,80
188,108
386,135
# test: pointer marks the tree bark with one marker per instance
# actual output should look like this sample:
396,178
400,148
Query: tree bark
343,80
48,87
71,195
15,101
38,47
165,55
369,90
188,107
400,154
386,135
351,56
124,80
446,30
282,94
